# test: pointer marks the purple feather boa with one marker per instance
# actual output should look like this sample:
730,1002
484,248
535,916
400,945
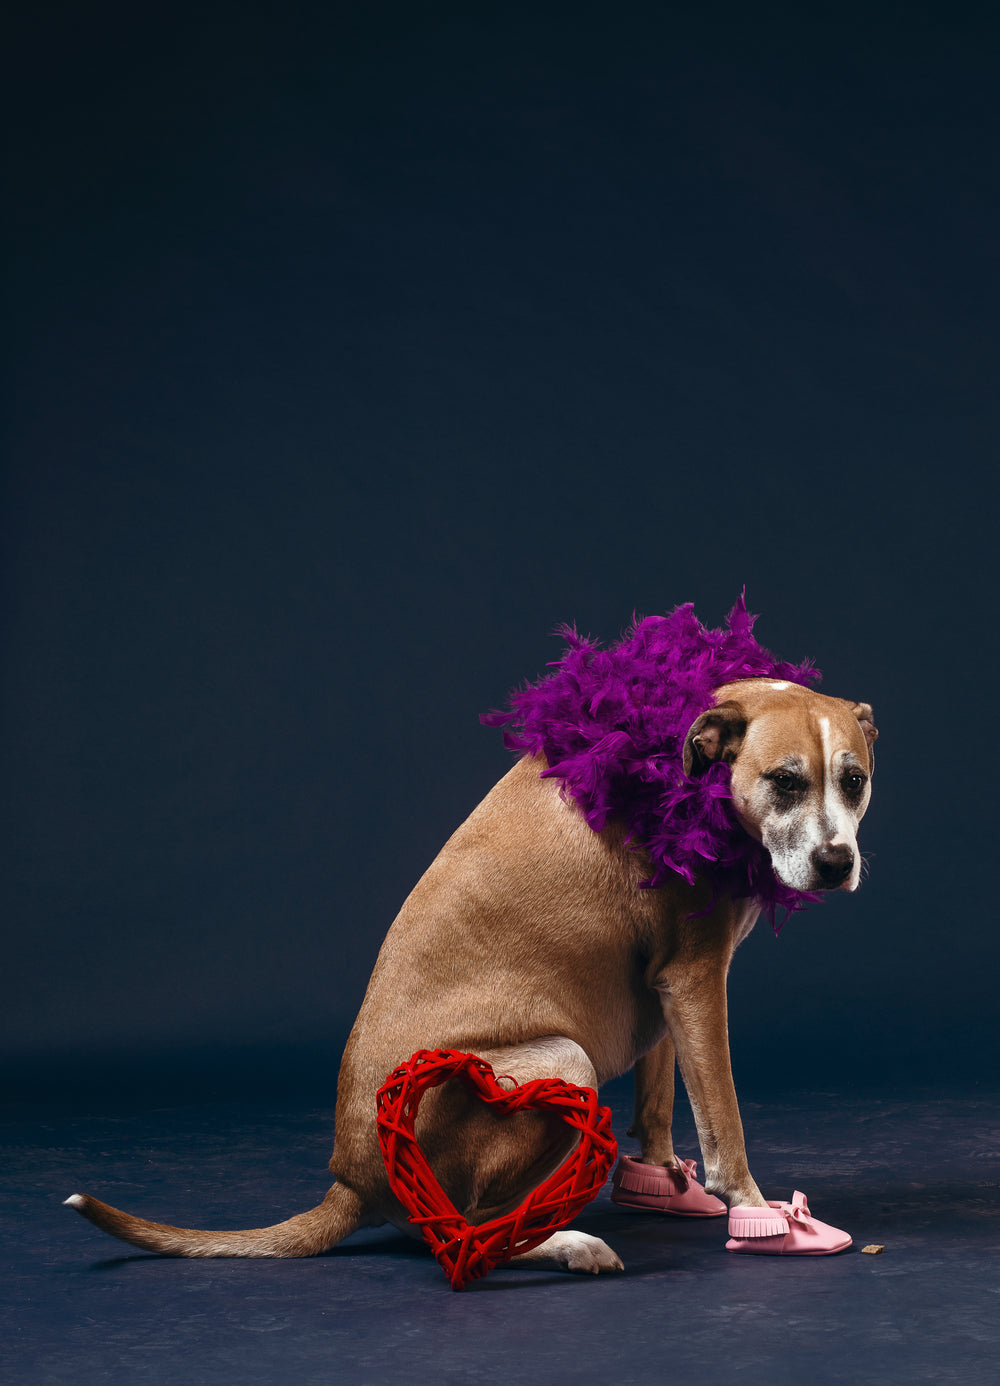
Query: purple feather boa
611,724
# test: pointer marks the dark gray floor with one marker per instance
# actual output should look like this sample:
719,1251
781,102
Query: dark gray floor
919,1174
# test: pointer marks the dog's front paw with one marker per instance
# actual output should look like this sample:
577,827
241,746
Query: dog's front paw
579,1252
737,1193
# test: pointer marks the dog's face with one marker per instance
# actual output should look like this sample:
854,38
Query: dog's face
801,775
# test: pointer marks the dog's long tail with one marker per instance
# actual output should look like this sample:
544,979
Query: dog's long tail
340,1214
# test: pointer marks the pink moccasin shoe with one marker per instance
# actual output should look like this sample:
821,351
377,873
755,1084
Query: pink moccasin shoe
654,1189
790,1230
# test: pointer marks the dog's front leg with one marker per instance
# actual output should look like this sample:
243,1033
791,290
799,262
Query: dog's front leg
654,1104
694,1004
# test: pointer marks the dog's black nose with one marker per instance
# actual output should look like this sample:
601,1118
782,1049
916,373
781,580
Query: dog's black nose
833,862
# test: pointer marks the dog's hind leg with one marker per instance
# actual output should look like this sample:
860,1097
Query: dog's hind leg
512,1156
572,1251
340,1214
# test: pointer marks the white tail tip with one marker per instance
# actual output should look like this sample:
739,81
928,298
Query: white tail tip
74,1201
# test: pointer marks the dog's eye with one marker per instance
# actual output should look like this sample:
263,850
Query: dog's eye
853,783
785,783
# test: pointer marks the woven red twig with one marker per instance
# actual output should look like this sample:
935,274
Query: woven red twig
466,1252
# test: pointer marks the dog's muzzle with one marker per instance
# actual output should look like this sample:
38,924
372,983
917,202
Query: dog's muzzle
833,863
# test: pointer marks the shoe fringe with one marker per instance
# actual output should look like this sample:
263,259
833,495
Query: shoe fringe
657,1181
754,1224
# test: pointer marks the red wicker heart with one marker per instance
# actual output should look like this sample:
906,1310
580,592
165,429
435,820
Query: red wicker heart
467,1252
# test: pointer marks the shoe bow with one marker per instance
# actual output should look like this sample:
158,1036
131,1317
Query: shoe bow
797,1210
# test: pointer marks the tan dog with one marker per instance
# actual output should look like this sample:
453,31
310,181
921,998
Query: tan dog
529,943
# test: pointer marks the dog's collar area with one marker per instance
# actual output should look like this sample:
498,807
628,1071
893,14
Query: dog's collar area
611,724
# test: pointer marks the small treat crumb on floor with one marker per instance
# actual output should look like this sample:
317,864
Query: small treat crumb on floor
873,1250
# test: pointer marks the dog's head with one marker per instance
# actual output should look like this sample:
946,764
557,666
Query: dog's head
801,775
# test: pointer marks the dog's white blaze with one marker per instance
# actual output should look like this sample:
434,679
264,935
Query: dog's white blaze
796,866
825,819
778,687
844,823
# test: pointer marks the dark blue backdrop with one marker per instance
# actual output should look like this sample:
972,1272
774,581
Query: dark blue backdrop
359,346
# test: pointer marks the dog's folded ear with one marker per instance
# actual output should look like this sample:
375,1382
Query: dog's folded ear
866,720
716,735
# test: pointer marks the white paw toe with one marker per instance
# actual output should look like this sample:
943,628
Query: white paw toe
588,1255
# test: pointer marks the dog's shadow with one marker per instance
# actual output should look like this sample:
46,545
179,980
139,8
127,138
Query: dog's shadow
960,1207
387,1244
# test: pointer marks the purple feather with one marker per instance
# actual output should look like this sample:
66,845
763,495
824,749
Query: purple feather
611,725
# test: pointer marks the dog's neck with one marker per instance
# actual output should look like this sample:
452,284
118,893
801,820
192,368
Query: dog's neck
611,725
